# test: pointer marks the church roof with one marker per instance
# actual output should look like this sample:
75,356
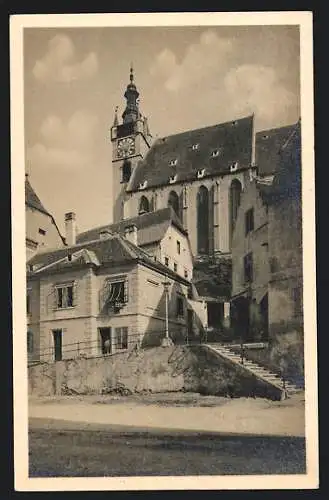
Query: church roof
151,226
268,146
31,199
214,149
114,250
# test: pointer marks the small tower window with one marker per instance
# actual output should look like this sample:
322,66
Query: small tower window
126,172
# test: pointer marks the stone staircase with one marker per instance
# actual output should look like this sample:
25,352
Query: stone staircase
256,369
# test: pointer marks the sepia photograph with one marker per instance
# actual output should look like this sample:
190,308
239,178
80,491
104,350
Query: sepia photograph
164,311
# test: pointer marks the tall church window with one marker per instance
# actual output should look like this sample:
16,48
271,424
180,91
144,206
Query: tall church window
126,171
174,202
144,205
203,221
235,195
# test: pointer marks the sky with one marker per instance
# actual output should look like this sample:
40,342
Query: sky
188,77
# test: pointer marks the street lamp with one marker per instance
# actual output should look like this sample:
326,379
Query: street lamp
166,341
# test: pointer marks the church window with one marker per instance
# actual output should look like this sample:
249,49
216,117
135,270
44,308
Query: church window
248,268
203,220
235,195
180,307
249,221
173,162
173,201
144,205
125,171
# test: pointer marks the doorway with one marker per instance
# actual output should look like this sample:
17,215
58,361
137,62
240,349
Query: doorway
189,324
58,344
264,316
105,334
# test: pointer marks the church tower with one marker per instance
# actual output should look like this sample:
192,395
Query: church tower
130,142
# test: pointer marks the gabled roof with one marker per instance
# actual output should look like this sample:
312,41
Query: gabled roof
151,226
232,139
31,199
268,147
113,250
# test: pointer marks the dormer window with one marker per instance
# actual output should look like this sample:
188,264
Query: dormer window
142,185
195,147
173,163
200,173
234,166
215,153
173,179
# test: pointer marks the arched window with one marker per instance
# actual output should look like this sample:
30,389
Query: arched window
203,221
144,205
173,201
29,341
126,171
235,195
153,203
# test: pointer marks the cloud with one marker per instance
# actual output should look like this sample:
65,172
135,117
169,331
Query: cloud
201,59
64,144
252,88
59,64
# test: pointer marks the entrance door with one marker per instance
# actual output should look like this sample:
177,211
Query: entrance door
57,335
105,334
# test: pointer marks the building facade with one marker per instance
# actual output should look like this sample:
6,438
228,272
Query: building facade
41,228
79,296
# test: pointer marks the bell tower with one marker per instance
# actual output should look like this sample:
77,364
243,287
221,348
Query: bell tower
131,139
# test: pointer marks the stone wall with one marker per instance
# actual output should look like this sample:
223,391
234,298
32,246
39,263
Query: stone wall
170,369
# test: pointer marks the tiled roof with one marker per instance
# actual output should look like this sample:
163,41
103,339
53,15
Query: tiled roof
31,199
268,146
192,150
113,250
151,226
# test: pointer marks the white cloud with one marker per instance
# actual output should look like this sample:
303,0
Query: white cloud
257,89
64,144
60,63
201,60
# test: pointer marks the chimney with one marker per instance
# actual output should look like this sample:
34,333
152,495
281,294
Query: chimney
131,234
70,228
104,234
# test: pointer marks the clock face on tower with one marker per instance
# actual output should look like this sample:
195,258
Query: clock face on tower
126,147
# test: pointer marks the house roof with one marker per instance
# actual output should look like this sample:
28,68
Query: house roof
233,139
151,226
31,199
268,147
113,250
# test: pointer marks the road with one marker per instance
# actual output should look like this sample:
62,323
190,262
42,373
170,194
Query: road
76,449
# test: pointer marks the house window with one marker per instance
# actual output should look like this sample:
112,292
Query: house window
64,296
180,307
248,268
175,267
121,337
29,341
185,273
249,221
178,247
42,231
117,292
297,301
166,261
28,303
